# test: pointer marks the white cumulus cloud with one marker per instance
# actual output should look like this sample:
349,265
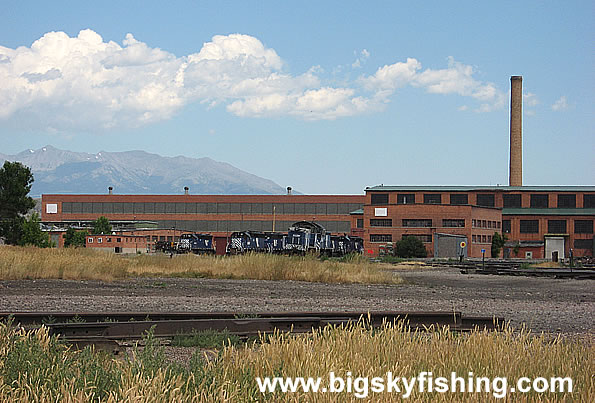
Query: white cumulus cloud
560,104
85,82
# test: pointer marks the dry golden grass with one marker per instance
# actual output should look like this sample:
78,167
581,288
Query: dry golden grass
83,264
231,376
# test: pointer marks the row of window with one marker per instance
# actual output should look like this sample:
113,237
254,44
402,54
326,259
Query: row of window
426,238
417,223
485,224
208,208
553,226
537,200
109,239
481,238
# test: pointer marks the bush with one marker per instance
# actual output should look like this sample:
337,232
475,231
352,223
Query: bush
410,246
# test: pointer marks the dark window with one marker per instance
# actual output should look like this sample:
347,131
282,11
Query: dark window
556,226
421,237
589,201
432,198
566,201
381,238
486,200
506,226
453,223
511,201
417,222
539,201
66,207
360,223
379,198
381,222
529,226
408,198
583,226
457,198
583,244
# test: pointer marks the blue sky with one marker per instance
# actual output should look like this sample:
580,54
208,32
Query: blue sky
327,97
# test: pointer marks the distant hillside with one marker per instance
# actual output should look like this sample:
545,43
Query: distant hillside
135,172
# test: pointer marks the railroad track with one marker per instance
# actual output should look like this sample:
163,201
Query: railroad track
109,330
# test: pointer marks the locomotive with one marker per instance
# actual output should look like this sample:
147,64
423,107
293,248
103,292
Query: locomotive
302,237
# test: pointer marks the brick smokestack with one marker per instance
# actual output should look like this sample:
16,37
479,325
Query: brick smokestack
515,177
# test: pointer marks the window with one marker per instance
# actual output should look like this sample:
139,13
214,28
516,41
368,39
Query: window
473,223
406,198
489,239
381,222
566,201
583,226
583,244
453,223
506,226
422,237
474,238
457,198
381,238
485,200
589,201
511,201
108,240
417,222
484,224
120,239
529,226
360,223
539,201
498,224
99,240
556,226
379,198
432,198
483,239
90,240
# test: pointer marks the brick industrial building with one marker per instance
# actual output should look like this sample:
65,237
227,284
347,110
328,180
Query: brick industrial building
539,221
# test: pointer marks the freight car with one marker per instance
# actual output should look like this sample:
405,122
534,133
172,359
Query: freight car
342,245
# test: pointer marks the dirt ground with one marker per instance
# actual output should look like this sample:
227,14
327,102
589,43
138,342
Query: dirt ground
542,304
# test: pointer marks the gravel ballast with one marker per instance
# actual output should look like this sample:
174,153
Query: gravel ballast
541,304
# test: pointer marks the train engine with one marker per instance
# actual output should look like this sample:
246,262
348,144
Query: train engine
305,236
199,244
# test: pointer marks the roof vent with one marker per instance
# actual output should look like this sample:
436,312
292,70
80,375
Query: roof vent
110,190
186,190
288,190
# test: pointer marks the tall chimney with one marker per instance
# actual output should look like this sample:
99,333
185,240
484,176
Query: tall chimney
515,177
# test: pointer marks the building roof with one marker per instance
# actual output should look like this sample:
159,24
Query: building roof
548,211
417,188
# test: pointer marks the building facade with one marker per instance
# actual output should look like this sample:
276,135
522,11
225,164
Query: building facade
547,221
539,221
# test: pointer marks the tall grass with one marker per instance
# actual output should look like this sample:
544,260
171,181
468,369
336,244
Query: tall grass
84,264
35,367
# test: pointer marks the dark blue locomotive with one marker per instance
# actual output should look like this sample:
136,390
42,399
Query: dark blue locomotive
305,236
199,244
254,241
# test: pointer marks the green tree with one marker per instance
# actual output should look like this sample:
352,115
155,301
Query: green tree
101,226
410,246
498,242
32,233
15,183
74,238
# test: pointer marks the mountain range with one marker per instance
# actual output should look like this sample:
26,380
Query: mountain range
135,172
